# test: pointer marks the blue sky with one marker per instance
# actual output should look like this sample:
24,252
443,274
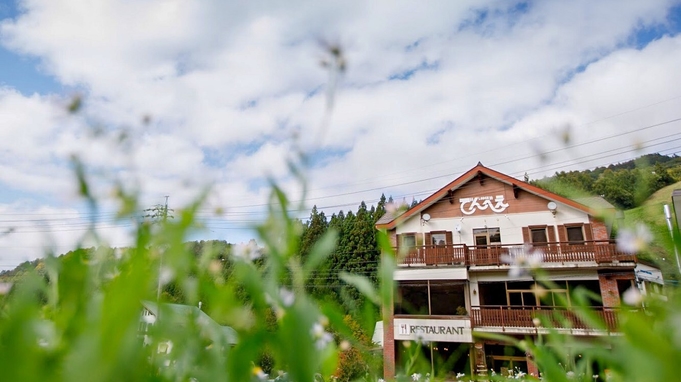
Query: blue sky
222,94
23,72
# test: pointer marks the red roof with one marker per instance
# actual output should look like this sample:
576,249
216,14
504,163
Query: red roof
465,178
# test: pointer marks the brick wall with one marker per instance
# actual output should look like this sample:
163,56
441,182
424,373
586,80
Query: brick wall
599,229
532,367
392,235
609,292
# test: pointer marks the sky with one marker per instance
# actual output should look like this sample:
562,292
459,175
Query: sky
182,97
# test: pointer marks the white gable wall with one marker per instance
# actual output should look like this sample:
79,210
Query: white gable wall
510,225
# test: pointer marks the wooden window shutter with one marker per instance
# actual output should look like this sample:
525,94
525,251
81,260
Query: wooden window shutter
448,238
588,234
562,233
552,233
526,235
398,239
429,241
419,239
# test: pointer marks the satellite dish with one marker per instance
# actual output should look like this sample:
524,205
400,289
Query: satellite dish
425,217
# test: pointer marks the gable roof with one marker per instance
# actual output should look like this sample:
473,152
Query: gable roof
595,202
389,222
178,314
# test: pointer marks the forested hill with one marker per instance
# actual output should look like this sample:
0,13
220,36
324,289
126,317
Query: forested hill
625,185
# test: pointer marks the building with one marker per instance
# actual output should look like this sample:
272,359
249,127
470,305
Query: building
181,316
453,279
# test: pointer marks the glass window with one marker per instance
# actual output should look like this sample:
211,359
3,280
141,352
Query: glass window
623,286
494,235
409,241
539,235
575,235
438,239
493,293
447,298
485,236
412,298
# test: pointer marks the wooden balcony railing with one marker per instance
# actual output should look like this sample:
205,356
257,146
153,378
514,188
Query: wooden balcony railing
558,317
599,251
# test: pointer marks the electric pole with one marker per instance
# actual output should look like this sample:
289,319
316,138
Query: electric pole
160,262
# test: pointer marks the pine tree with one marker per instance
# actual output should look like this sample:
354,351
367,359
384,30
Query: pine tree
380,208
313,230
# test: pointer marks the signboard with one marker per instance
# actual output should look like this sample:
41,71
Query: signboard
433,330
494,203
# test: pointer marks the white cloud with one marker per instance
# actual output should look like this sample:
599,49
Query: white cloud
228,84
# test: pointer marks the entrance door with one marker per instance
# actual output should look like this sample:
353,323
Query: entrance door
487,245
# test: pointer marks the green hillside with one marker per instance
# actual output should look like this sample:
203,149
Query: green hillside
651,214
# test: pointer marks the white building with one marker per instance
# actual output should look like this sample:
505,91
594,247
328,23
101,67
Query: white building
453,279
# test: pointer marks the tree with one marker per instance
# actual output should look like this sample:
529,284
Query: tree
313,230
380,208
618,187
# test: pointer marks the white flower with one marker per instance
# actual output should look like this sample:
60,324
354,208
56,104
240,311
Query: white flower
421,340
287,297
523,259
249,251
396,208
415,377
460,375
381,380
166,275
261,375
570,374
321,337
536,321
633,240
5,288
632,296
149,319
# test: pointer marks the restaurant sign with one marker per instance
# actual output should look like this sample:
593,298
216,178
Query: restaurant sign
433,330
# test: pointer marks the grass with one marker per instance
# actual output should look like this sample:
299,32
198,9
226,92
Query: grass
651,213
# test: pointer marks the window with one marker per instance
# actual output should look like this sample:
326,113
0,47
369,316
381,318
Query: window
412,298
523,294
487,236
431,297
447,298
575,235
538,235
409,241
438,239
623,286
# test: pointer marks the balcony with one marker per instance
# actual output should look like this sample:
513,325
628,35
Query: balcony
600,251
518,317
521,317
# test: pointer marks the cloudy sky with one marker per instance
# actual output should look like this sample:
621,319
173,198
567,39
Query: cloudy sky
179,95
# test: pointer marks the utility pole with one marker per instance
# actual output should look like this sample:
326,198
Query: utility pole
165,209
160,262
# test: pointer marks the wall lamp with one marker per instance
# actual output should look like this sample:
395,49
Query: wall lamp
553,207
